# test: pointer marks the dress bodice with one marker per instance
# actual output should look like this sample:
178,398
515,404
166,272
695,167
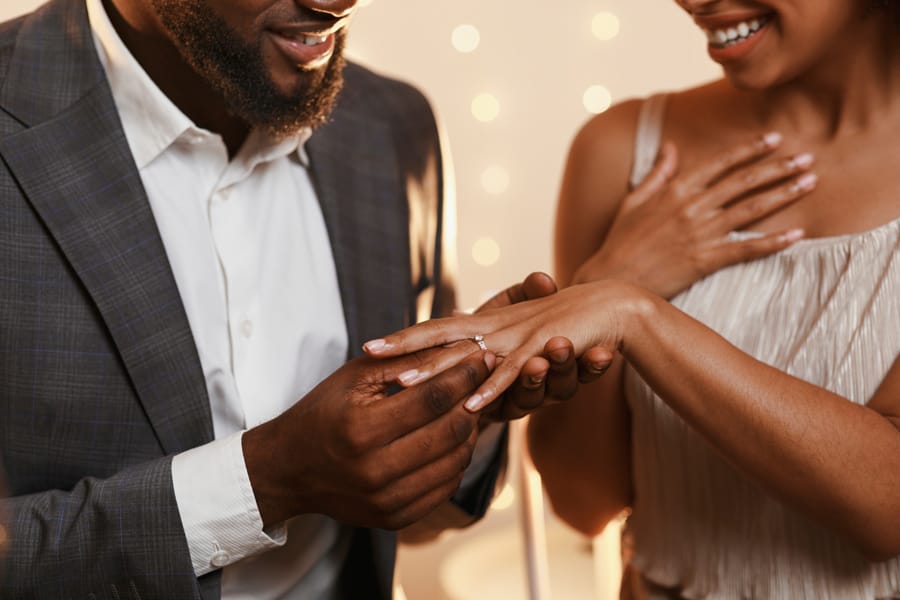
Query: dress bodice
824,310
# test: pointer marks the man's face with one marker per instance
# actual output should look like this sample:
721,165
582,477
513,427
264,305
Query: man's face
277,63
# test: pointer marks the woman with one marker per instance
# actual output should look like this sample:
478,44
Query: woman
753,426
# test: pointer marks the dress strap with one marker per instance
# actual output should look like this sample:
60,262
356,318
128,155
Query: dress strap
648,137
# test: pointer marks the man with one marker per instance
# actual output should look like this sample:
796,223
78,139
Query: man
184,260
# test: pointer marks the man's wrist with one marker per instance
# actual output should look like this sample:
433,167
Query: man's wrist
264,459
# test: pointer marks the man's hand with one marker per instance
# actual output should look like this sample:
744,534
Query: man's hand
552,377
350,451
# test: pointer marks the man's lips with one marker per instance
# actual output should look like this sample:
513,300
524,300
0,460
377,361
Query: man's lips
319,29
307,45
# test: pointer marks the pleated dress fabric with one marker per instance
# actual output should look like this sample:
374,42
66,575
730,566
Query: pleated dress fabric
825,310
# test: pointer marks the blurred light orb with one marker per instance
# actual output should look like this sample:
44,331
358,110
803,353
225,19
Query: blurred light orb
495,180
597,99
486,252
466,38
485,108
605,26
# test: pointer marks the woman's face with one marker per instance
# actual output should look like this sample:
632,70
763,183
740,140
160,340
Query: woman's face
762,43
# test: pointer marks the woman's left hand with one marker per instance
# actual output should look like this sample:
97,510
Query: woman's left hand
591,316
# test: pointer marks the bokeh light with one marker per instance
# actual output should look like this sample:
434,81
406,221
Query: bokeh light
605,26
485,107
597,99
495,180
486,252
466,38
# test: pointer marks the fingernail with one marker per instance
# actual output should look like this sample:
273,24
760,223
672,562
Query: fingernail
536,379
600,369
560,356
793,235
801,161
772,139
806,182
490,359
376,346
411,377
473,404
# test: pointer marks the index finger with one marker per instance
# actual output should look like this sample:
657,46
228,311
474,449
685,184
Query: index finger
713,170
412,408
428,334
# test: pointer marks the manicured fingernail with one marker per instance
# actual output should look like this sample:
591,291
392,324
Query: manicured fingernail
793,235
473,404
411,377
772,139
376,346
490,359
806,182
802,161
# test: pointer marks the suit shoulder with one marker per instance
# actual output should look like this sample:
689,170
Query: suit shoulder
9,33
383,97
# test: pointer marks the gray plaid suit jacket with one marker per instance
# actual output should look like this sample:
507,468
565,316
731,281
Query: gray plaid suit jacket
100,381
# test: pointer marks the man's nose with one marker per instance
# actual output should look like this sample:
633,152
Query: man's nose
335,8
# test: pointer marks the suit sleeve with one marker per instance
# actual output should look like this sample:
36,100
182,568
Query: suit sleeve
116,538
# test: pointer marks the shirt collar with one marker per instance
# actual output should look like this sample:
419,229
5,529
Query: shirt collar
151,121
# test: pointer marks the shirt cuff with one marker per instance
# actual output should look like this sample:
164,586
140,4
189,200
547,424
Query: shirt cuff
485,451
218,509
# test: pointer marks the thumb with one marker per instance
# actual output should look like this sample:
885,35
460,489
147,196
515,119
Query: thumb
662,172
536,285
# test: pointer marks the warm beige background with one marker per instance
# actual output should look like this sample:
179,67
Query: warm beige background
537,59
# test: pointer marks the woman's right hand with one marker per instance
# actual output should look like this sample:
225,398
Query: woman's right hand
673,230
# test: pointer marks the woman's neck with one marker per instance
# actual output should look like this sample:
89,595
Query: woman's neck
855,88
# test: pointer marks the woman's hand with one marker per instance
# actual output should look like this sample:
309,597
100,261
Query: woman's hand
673,230
591,316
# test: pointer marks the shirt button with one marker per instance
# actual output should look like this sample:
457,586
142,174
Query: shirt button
247,328
219,559
223,195
195,138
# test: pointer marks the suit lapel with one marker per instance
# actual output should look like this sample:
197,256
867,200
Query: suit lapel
74,165
363,200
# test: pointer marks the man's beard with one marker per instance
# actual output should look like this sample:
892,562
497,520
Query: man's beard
237,71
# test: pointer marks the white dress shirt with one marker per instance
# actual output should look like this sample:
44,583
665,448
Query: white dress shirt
250,253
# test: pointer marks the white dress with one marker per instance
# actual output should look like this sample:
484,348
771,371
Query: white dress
825,310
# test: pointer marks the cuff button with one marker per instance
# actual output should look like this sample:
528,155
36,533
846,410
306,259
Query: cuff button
219,559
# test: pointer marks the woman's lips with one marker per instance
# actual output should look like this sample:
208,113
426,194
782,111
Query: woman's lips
734,40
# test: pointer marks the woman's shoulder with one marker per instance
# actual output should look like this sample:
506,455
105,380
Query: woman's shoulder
607,140
602,156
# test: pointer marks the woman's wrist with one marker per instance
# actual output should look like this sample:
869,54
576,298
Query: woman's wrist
638,311
600,267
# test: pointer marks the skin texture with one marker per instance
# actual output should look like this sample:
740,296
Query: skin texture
827,76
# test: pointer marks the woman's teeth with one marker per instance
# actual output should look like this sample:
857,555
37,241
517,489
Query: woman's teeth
722,38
